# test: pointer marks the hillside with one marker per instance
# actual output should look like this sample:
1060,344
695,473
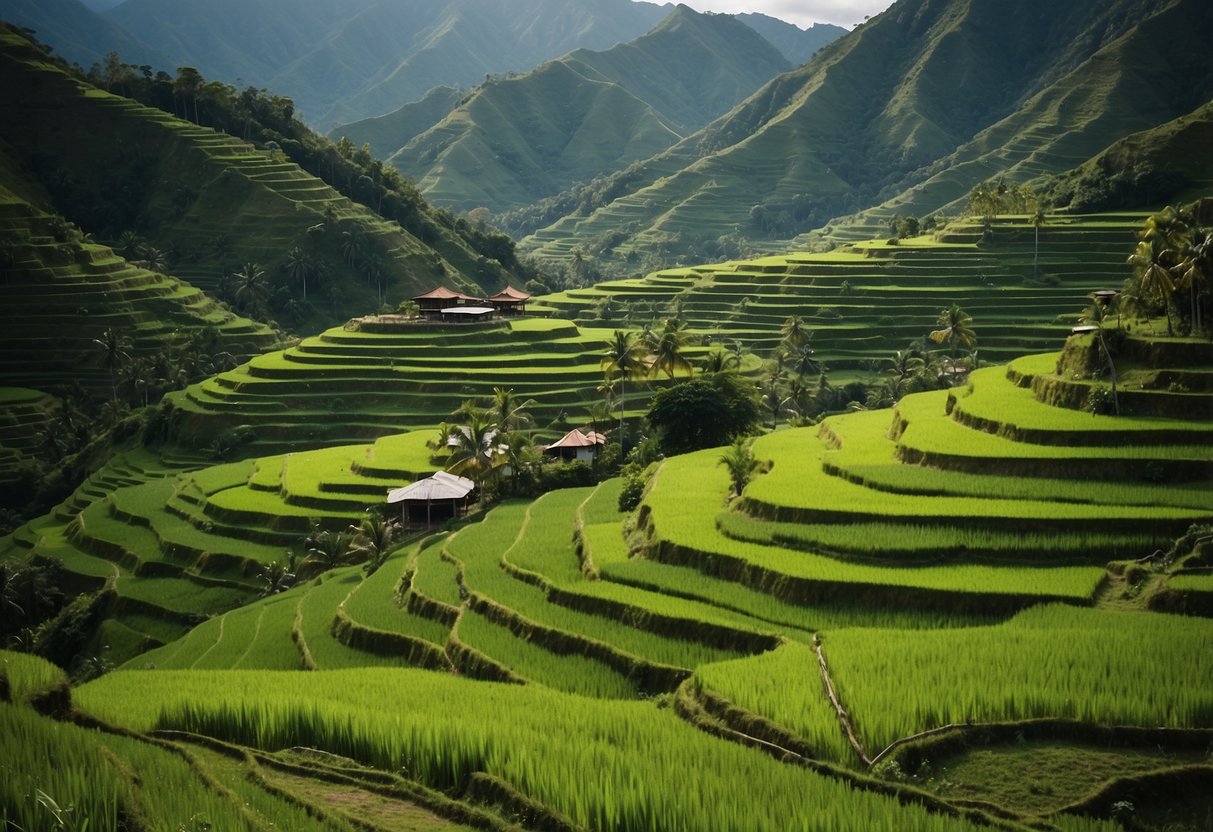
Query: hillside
210,202
518,140
915,107
347,61
877,544
79,34
1171,163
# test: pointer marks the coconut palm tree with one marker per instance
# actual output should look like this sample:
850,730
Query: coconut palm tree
1097,314
372,541
472,445
622,359
794,332
114,349
276,577
955,329
300,265
251,289
328,550
718,360
740,461
1150,262
1037,219
508,413
1195,271
668,347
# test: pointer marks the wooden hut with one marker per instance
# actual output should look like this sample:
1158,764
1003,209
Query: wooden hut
576,446
433,302
439,497
509,301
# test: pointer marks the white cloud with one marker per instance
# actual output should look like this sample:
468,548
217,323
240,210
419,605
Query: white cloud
801,12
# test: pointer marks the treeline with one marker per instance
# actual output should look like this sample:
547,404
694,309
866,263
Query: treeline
268,120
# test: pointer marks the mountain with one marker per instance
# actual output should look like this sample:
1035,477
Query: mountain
1172,164
796,44
210,202
518,140
78,33
910,110
399,127
345,61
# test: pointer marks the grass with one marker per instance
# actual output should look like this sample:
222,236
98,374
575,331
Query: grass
1040,777
692,488
27,675
784,686
639,753
569,672
1107,668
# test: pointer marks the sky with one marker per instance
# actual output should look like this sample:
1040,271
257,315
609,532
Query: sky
801,12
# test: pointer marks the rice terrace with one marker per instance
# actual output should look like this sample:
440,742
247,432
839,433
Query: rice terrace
606,416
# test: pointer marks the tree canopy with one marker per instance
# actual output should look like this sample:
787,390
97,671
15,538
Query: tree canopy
704,412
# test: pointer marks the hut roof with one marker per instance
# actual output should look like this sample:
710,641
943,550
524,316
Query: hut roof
510,293
443,293
440,486
469,311
577,439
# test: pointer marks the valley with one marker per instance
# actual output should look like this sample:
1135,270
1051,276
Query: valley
840,458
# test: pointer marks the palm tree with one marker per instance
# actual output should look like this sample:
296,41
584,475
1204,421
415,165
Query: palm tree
718,360
668,347
509,414
472,445
623,358
803,360
372,540
1149,261
954,329
353,245
299,267
329,550
515,451
775,400
794,333
251,291
1037,219
1195,271
276,577
740,461
903,367
115,352
1096,314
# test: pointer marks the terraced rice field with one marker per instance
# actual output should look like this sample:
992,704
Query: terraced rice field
868,299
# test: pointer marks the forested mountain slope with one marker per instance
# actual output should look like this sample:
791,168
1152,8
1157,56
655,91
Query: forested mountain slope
928,98
211,202
517,140
79,34
359,58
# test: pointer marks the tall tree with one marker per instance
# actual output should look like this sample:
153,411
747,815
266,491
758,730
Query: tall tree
114,349
668,349
251,289
509,412
622,359
187,85
955,329
1150,266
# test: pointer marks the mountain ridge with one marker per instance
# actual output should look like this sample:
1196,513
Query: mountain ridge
873,111
517,140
